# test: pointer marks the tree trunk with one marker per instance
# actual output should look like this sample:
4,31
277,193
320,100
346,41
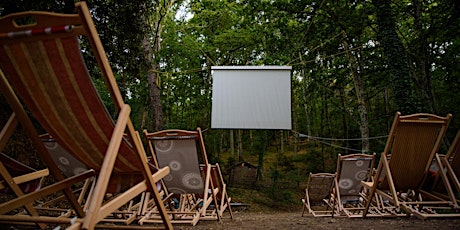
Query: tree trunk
259,146
240,145
344,119
326,114
152,76
305,104
295,127
358,80
232,144
422,75
323,158
281,141
221,143
403,90
154,90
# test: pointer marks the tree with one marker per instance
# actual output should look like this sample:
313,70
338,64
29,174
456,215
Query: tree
396,59
151,48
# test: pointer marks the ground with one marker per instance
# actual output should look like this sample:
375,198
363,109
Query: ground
295,220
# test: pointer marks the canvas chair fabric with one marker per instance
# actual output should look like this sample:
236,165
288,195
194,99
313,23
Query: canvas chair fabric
404,164
351,170
191,188
43,64
318,192
182,157
66,162
70,166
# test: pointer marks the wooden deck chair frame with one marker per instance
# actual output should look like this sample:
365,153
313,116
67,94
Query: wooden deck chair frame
351,170
31,178
22,76
380,206
70,166
451,163
222,196
192,207
317,200
410,149
450,172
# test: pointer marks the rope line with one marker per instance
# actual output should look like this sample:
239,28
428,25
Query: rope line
340,139
324,139
340,147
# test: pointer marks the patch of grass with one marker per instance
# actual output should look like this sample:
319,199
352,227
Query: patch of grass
284,178
260,200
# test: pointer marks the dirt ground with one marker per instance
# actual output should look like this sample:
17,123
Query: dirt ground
261,218
294,220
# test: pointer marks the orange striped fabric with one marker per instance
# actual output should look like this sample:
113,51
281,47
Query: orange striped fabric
217,180
17,168
50,76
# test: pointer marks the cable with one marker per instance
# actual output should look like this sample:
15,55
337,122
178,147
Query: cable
340,147
339,139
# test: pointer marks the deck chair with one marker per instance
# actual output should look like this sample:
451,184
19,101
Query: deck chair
70,166
194,191
222,196
404,164
42,69
28,179
450,172
20,180
347,192
317,200
451,163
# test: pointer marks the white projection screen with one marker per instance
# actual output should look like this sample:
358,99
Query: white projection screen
251,97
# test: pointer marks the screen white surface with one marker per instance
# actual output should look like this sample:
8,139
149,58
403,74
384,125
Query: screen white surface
251,97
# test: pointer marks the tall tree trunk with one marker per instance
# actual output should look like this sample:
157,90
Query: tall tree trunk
221,142
154,90
305,104
295,127
403,90
422,75
281,141
344,118
259,146
326,114
389,119
232,143
152,75
240,145
358,80
323,158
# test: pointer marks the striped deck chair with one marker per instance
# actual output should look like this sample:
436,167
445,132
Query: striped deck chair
28,179
222,196
194,192
20,180
351,170
42,68
404,164
317,200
